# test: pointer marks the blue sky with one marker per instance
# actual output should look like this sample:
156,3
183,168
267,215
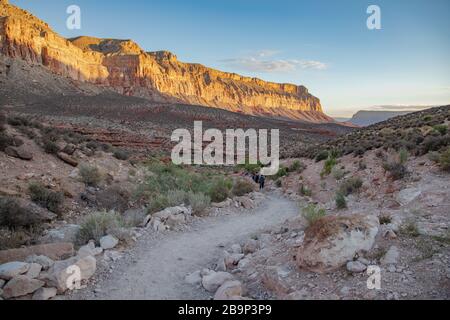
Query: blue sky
323,44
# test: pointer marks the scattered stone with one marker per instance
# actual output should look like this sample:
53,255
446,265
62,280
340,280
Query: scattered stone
34,270
335,240
232,260
251,246
44,294
236,248
356,267
44,261
55,251
213,280
112,255
223,204
302,294
229,290
67,159
12,269
389,234
2,283
405,196
246,202
108,242
391,256
364,261
195,278
21,286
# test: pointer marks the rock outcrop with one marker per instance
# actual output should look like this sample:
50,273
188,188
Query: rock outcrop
123,66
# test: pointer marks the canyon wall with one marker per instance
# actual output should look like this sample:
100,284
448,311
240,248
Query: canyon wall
125,67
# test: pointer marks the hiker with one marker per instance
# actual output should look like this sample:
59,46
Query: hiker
262,181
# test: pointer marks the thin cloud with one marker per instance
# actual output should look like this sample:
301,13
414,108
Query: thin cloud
400,107
260,62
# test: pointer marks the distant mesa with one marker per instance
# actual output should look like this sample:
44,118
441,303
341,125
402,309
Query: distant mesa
122,65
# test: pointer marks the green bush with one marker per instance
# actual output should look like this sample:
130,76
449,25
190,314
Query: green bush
403,156
350,186
305,191
49,146
176,198
337,173
46,198
90,175
282,172
242,187
219,191
312,214
199,202
341,202
444,160
441,128
297,166
121,154
396,170
322,155
158,203
328,166
16,121
98,224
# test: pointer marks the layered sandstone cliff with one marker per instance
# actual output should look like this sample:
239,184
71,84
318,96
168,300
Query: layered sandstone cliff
125,67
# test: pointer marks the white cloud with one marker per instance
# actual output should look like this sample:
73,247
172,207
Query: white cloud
260,62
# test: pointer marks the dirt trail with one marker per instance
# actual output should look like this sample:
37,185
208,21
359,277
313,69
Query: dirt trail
160,266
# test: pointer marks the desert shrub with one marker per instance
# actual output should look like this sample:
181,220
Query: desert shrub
252,167
312,214
350,186
29,132
409,228
434,143
158,203
359,151
5,141
282,172
278,183
434,156
121,154
341,203
305,191
93,145
441,128
199,202
90,175
385,219
362,165
337,173
444,160
219,191
396,170
16,121
297,166
49,145
13,214
3,121
176,197
98,224
133,219
46,198
11,239
403,156
328,166
322,155
242,187
427,118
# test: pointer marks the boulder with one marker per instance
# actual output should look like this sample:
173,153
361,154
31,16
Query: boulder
236,248
2,283
194,278
21,286
12,269
334,240
44,294
232,260
213,280
55,251
43,261
246,202
58,275
34,270
391,256
19,152
251,246
356,267
228,290
66,233
274,279
224,204
108,242
67,159
89,250
405,196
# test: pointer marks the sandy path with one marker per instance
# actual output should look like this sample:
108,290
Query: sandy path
160,266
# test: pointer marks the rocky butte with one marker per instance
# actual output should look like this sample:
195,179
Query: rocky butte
123,66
